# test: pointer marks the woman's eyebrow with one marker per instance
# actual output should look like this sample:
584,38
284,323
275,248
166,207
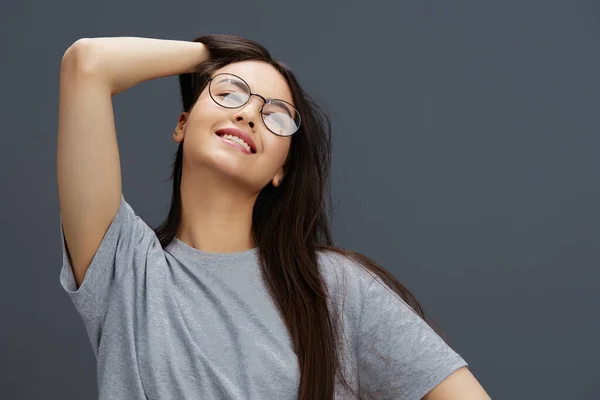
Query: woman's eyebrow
287,111
240,85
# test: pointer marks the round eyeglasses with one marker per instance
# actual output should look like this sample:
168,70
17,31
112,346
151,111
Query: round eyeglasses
231,91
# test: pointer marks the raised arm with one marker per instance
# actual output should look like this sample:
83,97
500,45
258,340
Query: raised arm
88,166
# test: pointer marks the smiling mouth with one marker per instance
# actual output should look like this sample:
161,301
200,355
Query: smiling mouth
234,141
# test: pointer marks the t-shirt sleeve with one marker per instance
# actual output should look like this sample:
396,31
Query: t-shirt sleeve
400,356
123,248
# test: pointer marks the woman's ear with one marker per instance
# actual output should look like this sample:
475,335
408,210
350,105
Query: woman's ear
179,132
278,177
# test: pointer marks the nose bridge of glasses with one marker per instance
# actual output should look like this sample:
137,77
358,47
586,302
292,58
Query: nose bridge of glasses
264,101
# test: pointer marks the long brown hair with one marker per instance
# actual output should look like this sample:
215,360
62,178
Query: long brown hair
289,223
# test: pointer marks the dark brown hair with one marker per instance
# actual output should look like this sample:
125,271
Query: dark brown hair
290,223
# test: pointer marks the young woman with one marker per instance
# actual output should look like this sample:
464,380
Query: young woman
240,293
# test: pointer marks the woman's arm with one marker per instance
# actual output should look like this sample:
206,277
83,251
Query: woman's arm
126,61
88,166
461,385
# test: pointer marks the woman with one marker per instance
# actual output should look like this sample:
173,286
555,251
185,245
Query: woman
239,294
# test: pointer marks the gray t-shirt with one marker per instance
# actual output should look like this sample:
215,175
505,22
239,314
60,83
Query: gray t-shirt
179,323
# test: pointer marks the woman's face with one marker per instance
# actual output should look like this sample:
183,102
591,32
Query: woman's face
203,146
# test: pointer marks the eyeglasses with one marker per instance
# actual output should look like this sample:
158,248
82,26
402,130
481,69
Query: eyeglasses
231,91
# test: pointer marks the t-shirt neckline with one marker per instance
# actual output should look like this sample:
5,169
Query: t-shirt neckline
179,247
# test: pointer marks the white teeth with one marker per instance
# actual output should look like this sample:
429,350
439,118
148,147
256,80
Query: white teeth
238,140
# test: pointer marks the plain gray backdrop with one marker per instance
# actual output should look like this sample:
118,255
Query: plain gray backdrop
466,161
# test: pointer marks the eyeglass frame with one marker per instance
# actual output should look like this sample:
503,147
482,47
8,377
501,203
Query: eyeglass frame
265,101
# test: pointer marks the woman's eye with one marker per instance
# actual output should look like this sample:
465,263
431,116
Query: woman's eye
231,98
275,116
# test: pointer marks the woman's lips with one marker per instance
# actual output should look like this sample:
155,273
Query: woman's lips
234,144
240,134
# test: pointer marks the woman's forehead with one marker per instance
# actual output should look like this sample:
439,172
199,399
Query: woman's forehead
263,79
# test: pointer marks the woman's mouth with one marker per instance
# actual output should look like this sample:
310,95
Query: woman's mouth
236,142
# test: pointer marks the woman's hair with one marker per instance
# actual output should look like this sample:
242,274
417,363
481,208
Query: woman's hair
289,223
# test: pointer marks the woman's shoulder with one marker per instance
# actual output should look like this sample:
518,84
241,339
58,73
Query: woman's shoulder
339,268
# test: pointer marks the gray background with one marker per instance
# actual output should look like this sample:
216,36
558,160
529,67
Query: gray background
466,140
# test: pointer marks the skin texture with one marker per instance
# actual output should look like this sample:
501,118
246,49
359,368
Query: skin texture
461,385
220,183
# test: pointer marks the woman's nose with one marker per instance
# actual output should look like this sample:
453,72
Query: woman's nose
250,112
